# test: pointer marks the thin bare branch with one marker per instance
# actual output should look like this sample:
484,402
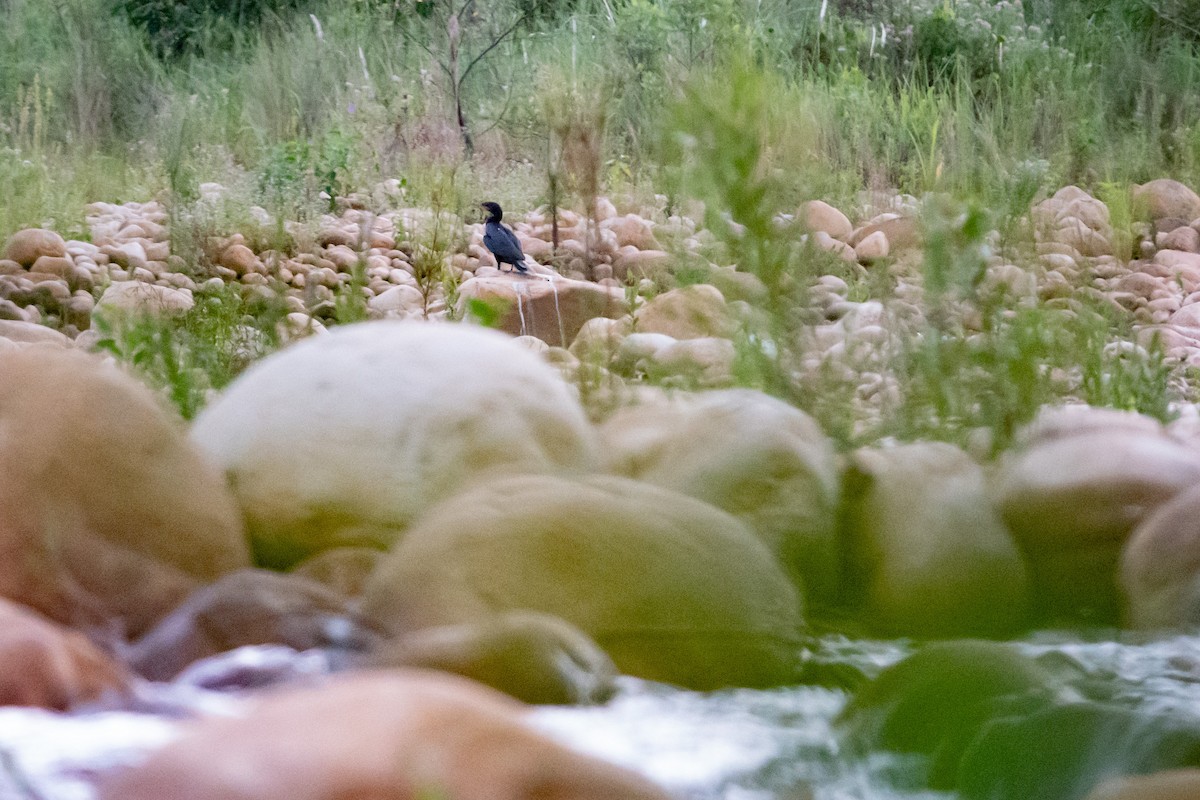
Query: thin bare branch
408,37
495,43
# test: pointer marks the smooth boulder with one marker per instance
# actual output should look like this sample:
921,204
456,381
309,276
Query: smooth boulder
536,658
927,555
1160,566
936,701
1066,750
251,607
1165,199
554,309
762,460
108,514
385,736
28,245
691,312
673,589
1072,492
343,439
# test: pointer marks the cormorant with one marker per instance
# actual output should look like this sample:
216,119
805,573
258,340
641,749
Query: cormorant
501,241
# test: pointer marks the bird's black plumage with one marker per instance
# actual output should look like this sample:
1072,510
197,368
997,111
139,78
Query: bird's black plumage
501,241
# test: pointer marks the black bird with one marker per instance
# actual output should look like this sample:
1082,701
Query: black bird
501,241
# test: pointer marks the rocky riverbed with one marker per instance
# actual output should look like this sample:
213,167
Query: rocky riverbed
353,570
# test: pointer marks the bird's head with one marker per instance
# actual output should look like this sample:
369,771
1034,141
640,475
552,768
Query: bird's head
494,212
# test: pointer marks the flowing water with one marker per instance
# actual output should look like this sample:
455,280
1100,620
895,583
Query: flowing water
520,307
730,745
562,332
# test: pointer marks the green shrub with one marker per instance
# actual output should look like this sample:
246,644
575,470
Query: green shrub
198,26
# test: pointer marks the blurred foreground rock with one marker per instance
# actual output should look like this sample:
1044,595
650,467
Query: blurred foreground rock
673,589
108,514
343,439
385,736
45,665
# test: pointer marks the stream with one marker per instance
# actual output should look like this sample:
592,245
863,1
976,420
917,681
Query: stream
728,745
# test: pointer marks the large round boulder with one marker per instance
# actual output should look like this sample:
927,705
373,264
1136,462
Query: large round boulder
1166,199
107,513
936,701
384,736
927,555
673,589
553,310
1074,489
1074,218
28,245
691,312
817,215
1160,566
343,439
760,459
134,298
1066,750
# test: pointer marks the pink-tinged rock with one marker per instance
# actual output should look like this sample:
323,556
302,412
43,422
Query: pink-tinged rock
1185,238
1140,284
1165,198
397,301
130,255
1187,317
872,247
31,333
537,249
836,246
136,297
903,233
48,666
1078,234
1073,491
27,246
401,735
817,215
62,266
553,310
241,259
632,230
1161,564
1185,267
108,515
